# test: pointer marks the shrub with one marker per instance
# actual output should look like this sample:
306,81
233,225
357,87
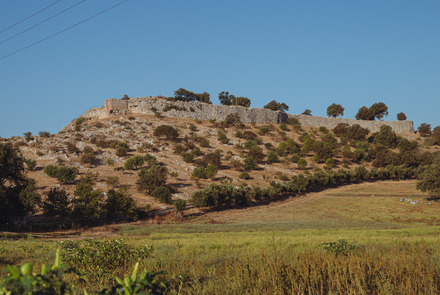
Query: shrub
122,149
244,175
276,106
272,157
330,163
238,133
401,116
44,134
180,205
222,137
134,162
88,158
283,126
424,130
302,164
51,170
110,162
199,172
341,129
28,136
112,181
264,130
236,164
204,143
295,158
323,129
151,178
250,163
31,164
192,127
66,175
232,119
356,132
211,171
162,194
166,130
79,121
187,157
341,246
71,147
249,135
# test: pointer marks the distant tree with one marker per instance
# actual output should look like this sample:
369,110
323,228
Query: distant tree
302,164
119,204
162,194
180,205
31,164
125,97
357,132
151,178
386,137
166,130
341,129
307,112
28,136
364,113
424,130
276,106
401,116
250,163
379,110
57,203
430,179
335,110
241,101
88,201
225,98
184,95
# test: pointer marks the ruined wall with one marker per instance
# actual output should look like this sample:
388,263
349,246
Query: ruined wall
202,111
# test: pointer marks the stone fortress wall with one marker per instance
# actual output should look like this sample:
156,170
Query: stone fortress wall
203,111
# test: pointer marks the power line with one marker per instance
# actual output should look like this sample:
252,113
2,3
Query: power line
42,22
29,16
62,31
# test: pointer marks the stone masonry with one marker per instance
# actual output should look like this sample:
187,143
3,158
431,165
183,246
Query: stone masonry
203,111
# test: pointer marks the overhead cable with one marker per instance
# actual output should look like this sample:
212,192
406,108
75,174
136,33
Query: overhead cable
42,21
29,16
62,31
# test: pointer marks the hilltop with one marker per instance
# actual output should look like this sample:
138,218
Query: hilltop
100,130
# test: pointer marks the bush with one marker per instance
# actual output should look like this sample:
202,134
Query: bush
31,164
134,162
204,143
236,164
424,130
51,170
66,175
238,133
211,171
283,126
244,175
341,246
180,205
401,116
122,149
166,130
272,157
341,129
110,162
192,127
232,119
330,163
264,130
162,194
112,181
250,163
295,158
44,134
276,106
199,172
151,178
222,137
249,135
302,164
188,157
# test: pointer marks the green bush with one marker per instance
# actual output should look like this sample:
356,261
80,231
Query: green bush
264,130
204,143
188,157
302,164
222,137
244,175
283,126
51,170
180,205
151,178
134,162
31,164
162,194
192,127
295,158
238,133
211,171
272,157
199,172
122,149
330,163
341,246
66,175
250,163
166,130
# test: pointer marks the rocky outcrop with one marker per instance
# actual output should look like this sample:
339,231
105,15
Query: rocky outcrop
196,110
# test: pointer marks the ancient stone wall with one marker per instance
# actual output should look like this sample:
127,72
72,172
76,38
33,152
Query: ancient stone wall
203,111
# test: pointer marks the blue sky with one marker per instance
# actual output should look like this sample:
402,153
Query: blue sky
308,54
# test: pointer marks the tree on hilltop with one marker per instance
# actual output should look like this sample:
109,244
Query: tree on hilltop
335,110
276,106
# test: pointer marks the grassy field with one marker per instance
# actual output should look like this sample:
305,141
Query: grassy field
278,248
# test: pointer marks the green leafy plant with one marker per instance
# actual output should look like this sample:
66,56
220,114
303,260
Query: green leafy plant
341,246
